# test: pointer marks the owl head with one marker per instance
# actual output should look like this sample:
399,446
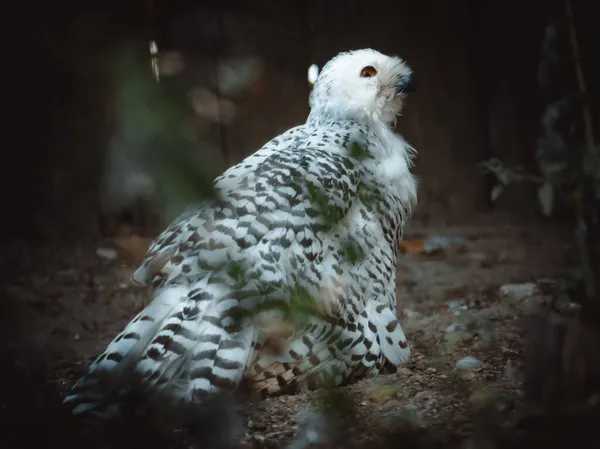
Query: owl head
362,85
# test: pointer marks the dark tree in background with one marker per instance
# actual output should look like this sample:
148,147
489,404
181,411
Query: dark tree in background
60,61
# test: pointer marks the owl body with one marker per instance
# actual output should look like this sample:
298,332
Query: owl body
287,278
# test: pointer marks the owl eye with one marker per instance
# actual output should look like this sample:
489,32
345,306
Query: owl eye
368,72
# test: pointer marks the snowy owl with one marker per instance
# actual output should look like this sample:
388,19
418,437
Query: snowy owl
287,278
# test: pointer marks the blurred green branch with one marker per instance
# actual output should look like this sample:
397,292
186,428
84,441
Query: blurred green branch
182,166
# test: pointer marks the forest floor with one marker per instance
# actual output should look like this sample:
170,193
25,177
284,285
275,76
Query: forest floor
462,309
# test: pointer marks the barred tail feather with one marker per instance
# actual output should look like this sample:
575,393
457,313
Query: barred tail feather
179,346
118,359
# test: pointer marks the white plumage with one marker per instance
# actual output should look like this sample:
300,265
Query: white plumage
288,278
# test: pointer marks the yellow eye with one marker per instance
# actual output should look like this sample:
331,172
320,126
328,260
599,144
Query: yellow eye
368,72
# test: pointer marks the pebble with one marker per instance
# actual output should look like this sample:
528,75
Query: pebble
457,305
518,291
106,253
411,313
468,363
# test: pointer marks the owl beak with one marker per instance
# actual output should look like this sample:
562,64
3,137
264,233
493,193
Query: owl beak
405,86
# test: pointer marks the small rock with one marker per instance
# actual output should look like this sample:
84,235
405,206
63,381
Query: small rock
468,363
411,313
384,393
106,253
518,292
457,306
437,243
404,371
454,327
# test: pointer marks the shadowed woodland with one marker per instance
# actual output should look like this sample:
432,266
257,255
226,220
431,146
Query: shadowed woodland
125,114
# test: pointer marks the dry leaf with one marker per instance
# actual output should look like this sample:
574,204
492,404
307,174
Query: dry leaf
132,249
412,246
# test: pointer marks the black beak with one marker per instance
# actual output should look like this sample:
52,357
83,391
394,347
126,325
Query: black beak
405,86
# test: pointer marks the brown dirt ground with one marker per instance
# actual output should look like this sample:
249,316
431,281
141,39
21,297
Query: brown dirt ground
66,304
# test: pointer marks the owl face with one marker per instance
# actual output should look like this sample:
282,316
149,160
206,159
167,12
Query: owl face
362,85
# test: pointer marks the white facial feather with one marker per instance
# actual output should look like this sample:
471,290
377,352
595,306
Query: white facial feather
340,91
